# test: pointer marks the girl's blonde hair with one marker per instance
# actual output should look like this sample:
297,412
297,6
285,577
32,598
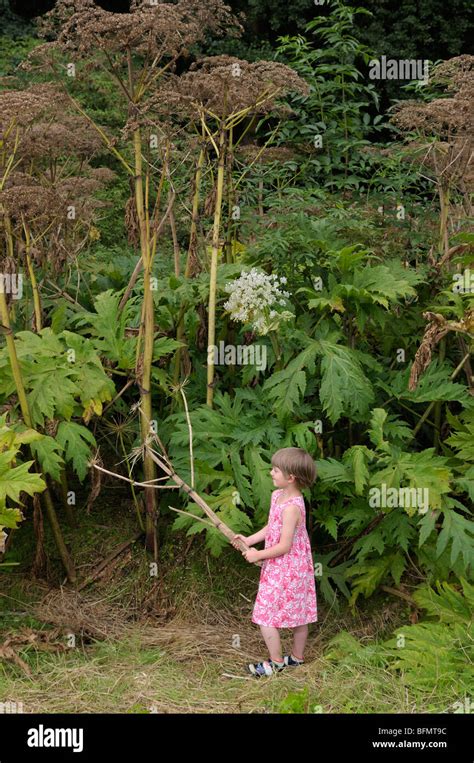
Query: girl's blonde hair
296,462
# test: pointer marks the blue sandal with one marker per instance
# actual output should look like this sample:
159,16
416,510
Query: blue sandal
288,659
265,668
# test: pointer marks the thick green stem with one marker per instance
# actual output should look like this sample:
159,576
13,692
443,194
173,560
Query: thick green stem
25,412
211,333
58,537
33,281
15,366
443,220
438,405
230,203
195,212
147,356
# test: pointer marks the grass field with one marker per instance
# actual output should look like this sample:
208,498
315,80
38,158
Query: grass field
134,643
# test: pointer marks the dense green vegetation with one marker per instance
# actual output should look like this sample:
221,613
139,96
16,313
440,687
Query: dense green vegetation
143,176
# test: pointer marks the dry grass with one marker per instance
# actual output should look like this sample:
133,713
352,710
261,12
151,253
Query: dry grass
190,663
178,642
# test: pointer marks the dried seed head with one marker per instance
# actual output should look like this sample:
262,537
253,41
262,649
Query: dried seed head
154,30
449,120
22,107
254,153
224,85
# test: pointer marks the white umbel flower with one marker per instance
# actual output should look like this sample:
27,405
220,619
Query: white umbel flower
253,299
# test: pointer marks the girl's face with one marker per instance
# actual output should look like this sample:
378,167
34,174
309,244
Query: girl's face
279,479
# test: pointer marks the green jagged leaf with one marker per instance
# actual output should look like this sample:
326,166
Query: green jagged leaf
51,392
466,482
10,518
15,479
433,385
463,439
62,374
76,441
225,507
433,657
344,390
383,284
108,328
331,576
460,532
301,435
329,524
287,387
333,471
262,484
397,528
447,604
345,649
426,526
373,541
16,435
349,256
93,386
241,474
48,452
424,471
357,457
368,575
165,346
397,567
376,429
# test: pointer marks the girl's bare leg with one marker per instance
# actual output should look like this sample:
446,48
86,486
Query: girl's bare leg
300,634
272,640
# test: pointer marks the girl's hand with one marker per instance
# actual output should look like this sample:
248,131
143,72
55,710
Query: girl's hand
252,555
236,538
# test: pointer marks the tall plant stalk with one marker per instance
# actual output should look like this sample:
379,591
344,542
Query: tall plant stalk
211,332
25,412
147,331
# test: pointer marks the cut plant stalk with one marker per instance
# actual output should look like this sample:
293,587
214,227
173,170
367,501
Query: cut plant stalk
166,466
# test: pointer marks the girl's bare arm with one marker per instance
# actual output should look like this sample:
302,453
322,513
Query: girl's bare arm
257,537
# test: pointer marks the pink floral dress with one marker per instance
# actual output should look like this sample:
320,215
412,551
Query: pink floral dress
287,592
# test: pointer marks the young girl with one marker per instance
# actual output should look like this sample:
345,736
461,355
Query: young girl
287,593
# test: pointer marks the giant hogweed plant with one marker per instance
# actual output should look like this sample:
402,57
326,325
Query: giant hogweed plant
137,51
217,95
335,390
233,446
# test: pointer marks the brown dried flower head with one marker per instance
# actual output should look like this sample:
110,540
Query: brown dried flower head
155,30
444,125
224,85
